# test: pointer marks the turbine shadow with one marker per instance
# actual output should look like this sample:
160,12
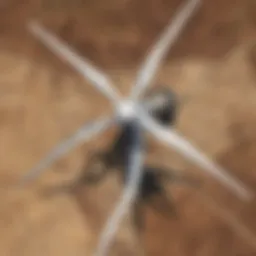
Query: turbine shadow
153,190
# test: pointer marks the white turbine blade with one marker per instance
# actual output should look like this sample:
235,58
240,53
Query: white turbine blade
160,48
172,139
158,102
85,133
83,66
154,103
134,168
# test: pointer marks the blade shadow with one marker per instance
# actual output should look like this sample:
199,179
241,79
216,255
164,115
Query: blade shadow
152,192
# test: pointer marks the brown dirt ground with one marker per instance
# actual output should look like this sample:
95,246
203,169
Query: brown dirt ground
42,100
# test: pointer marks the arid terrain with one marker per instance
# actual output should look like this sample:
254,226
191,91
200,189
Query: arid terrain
212,68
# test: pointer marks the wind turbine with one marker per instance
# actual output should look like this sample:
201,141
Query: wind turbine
133,117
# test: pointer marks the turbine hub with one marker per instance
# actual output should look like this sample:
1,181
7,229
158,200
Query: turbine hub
127,110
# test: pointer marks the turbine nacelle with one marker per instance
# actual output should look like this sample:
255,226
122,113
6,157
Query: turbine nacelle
127,111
